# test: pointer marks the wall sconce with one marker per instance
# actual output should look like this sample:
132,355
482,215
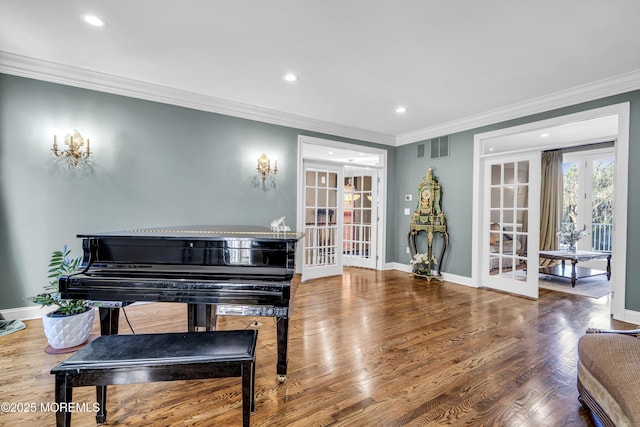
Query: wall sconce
264,170
76,155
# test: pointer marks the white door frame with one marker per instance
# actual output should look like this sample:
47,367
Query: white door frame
382,190
621,148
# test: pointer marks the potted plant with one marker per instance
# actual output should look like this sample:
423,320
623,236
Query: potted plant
569,236
70,324
422,264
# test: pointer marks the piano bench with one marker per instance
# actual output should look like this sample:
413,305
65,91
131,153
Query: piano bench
141,358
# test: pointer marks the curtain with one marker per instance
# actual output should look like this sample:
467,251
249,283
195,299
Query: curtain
550,201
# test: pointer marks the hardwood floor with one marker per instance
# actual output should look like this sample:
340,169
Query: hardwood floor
366,348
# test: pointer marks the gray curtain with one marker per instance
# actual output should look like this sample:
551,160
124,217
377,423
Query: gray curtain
550,201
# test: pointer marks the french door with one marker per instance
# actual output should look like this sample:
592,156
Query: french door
323,220
511,213
360,215
588,199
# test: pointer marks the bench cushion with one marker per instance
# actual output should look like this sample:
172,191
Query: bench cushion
613,361
159,349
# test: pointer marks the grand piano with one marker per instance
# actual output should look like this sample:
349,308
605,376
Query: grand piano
232,270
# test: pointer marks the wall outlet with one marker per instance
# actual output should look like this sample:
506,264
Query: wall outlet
408,251
407,211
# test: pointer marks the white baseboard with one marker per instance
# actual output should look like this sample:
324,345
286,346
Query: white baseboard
397,266
25,313
460,280
35,312
632,317
453,278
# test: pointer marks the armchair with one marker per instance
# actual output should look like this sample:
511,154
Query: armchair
609,375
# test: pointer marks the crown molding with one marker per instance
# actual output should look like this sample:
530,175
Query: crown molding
63,74
600,89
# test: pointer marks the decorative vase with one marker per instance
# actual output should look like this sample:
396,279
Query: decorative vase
572,247
68,331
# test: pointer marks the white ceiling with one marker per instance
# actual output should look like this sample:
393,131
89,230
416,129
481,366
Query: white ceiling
447,61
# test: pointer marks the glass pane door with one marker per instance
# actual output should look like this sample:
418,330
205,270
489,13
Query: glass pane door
323,221
360,203
512,217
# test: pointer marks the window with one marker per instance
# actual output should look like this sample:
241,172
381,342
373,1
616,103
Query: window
588,196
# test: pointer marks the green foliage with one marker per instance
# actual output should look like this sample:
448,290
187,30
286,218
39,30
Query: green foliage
60,264
602,196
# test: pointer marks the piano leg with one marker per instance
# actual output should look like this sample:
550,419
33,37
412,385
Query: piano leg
109,317
283,339
101,397
109,320
201,315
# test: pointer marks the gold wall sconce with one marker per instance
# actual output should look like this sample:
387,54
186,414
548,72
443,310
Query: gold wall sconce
76,154
264,169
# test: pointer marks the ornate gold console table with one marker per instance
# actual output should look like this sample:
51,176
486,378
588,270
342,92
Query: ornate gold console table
428,217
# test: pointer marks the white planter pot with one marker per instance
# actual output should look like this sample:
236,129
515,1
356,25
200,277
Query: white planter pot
68,331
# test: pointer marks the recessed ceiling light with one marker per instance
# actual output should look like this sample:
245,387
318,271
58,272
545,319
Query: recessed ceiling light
93,20
401,109
331,153
291,77
544,135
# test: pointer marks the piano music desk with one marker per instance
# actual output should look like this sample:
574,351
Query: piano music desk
130,359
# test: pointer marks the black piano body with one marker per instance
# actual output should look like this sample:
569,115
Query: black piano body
244,270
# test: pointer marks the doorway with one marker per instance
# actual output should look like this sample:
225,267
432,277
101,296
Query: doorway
534,136
356,219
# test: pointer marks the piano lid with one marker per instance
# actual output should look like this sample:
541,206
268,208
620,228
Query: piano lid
204,232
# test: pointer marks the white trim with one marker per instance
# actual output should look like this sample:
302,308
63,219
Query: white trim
618,263
25,313
596,90
460,280
397,266
36,312
631,316
447,277
58,73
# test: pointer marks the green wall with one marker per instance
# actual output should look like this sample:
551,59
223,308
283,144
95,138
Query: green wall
154,165
456,177
158,164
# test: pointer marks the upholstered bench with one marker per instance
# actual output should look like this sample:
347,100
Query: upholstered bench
129,359
609,376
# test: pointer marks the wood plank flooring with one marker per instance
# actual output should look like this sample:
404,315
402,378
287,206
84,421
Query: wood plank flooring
366,349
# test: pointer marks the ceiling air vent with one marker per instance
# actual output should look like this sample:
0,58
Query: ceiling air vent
440,147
